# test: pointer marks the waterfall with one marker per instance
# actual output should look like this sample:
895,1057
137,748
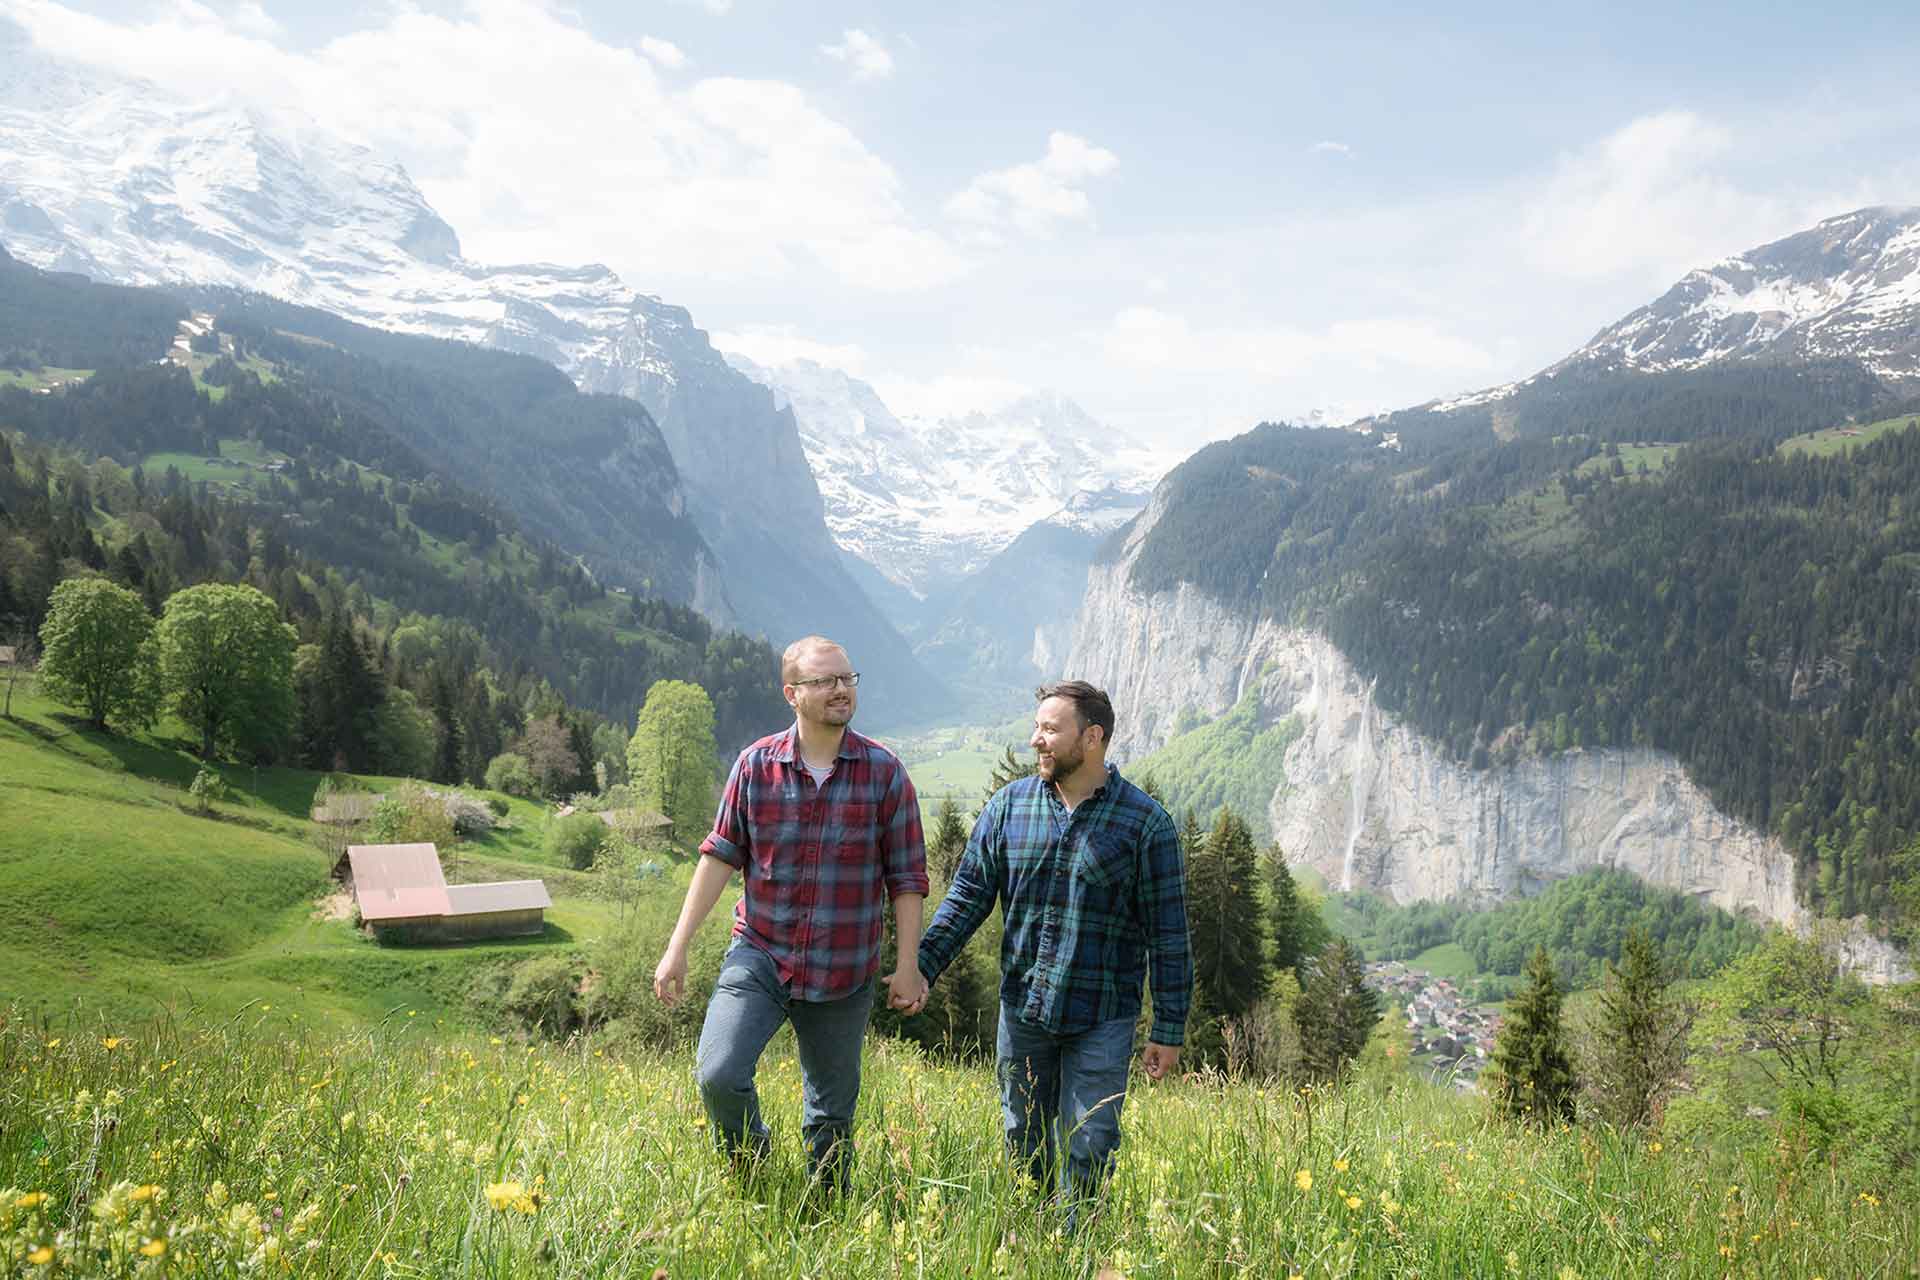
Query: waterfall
1359,785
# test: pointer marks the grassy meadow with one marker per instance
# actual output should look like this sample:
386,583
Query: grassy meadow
251,1145
204,1072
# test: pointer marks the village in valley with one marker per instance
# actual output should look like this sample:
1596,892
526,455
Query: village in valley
1452,1035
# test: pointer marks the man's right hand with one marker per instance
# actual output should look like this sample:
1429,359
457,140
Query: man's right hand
670,976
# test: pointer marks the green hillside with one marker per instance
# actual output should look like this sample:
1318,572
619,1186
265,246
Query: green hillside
1719,564
126,904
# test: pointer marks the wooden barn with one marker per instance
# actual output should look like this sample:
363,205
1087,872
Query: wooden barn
403,896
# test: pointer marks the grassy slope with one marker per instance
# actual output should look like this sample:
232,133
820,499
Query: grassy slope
122,903
381,1149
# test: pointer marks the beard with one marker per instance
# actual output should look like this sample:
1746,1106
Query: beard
1061,765
835,713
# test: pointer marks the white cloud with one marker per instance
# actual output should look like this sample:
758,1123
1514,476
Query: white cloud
865,55
254,20
1330,147
718,8
500,110
1035,198
775,345
1152,338
1651,200
663,53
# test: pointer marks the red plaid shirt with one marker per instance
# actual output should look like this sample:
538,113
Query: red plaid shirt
820,861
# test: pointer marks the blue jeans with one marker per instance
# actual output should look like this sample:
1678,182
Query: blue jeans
1064,1091
749,1004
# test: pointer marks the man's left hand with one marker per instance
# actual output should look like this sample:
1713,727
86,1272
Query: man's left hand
1159,1059
906,989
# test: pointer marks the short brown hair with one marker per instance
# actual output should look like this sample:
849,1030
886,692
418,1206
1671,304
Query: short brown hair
1090,705
790,660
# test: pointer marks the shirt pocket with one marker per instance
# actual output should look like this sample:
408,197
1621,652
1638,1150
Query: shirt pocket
1104,865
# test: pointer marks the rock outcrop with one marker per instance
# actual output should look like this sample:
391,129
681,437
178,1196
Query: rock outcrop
1370,803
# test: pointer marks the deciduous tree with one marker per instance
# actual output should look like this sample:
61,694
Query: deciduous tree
671,759
226,661
97,652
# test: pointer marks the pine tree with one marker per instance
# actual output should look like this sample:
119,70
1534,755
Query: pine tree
946,843
1010,768
1223,908
1640,1037
1532,1078
1283,913
1335,1013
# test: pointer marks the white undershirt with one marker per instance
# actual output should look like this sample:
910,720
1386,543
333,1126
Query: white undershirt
820,775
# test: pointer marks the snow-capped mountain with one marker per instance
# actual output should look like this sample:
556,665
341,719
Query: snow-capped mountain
928,502
118,180
1848,287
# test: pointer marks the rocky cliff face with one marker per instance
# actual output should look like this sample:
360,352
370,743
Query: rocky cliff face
1371,804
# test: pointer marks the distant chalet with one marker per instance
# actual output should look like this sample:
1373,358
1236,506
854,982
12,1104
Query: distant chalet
403,896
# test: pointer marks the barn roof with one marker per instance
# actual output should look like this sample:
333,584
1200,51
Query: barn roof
501,895
398,881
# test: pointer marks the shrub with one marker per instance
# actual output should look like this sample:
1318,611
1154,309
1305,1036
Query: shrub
510,773
469,815
498,806
411,814
576,839
207,787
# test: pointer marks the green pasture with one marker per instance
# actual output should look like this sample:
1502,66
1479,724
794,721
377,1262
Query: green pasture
1840,439
34,380
128,904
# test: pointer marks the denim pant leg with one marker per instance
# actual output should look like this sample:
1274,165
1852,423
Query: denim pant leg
830,1033
749,1004
1029,1069
1093,1085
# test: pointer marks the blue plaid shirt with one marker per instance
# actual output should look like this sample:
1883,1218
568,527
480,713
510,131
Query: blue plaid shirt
1093,900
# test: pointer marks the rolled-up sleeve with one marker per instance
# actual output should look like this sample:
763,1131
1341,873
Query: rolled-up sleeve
731,838
903,845
1163,901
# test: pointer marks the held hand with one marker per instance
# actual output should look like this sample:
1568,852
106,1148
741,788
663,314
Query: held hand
906,990
670,977
1159,1059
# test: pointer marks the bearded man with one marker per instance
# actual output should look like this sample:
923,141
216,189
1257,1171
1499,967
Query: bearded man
1088,872
823,824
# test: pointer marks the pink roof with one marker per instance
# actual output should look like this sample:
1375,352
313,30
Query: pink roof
398,881
501,895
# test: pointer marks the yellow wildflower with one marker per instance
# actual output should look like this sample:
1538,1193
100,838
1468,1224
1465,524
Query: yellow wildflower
1303,1180
1869,1199
1339,1166
111,1043
501,1195
54,1043
30,1200
153,1248
1353,1202
1654,1147
145,1192
41,1256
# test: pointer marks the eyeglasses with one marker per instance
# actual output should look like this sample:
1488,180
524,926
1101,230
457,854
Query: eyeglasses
850,679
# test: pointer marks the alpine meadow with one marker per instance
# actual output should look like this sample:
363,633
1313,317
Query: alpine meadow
1476,490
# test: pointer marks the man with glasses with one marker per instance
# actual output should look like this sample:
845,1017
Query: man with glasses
823,824
1087,870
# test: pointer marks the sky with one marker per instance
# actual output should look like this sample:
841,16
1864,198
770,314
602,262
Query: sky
1188,218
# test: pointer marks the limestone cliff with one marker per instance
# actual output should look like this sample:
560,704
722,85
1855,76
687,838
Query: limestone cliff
1371,804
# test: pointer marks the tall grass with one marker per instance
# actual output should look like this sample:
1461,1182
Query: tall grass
247,1146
